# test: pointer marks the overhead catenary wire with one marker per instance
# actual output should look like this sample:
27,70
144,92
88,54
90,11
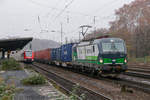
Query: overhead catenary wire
52,8
43,5
86,15
50,12
58,9
73,12
64,8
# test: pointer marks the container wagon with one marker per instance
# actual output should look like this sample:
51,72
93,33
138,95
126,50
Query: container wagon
43,56
63,54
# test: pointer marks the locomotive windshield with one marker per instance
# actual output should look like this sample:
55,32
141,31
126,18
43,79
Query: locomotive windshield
113,47
28,53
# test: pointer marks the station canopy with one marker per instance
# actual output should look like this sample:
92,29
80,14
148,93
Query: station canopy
14,44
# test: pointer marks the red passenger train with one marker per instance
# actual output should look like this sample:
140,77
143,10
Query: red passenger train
28,56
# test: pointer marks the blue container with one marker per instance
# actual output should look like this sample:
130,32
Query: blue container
53,54
66,52
58,55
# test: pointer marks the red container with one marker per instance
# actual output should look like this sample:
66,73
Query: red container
43,54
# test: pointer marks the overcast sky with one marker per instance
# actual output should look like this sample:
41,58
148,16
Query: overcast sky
19,18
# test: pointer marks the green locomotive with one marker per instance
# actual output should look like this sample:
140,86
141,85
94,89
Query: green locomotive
103,56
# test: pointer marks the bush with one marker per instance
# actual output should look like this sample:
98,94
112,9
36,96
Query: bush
10,64
34,80
73,95
27,67
7,91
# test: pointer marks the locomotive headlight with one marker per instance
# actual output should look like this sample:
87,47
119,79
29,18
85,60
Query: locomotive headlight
125,60
101,60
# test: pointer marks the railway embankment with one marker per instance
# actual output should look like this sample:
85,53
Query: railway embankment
13,84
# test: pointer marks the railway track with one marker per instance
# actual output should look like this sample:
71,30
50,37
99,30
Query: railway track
138,72
67,85
142,86
125,82
139,68
133,84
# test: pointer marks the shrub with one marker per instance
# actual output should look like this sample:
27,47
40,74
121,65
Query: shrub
34,80
27,67
10,64
7,91
73,95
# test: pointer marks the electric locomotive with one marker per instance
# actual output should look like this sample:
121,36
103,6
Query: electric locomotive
28,56
103,56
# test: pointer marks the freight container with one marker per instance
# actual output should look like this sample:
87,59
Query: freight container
43,55
66,52
36,55
53,54
58,54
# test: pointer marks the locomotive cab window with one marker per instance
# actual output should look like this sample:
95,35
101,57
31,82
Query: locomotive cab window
28,54
113,47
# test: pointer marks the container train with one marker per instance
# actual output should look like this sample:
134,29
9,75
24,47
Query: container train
101,56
